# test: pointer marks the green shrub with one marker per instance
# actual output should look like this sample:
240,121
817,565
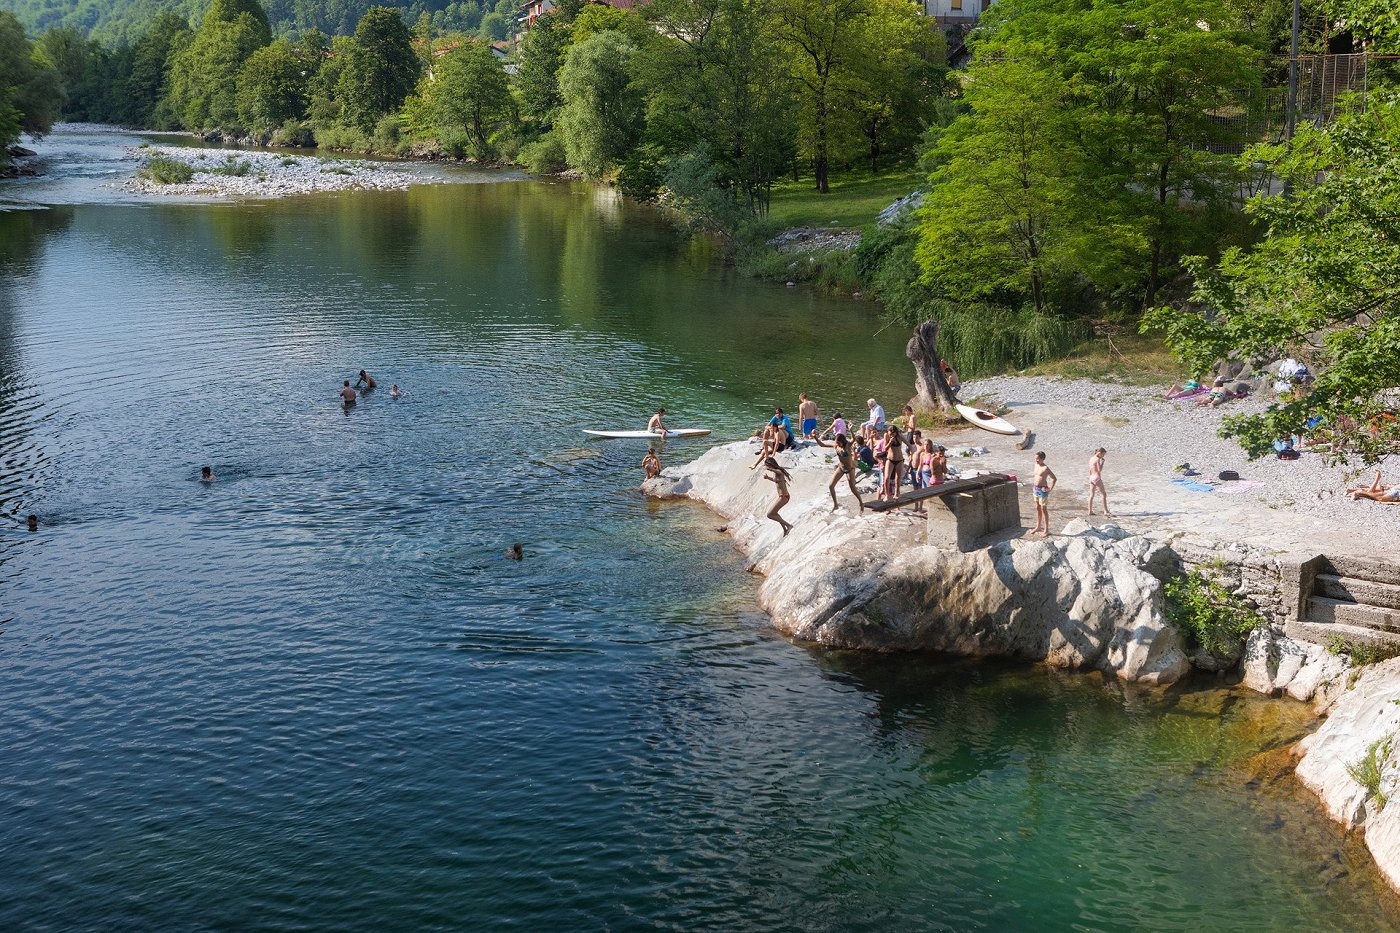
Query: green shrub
336,170
387,133
544,156
1209,614
288,161
345,138
233,167
1367,770
163,170
1361,654
294,135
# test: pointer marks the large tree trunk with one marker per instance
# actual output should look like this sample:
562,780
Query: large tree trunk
931,389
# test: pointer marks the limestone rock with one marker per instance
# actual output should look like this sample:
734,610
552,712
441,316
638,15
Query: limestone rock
1275,664
868,582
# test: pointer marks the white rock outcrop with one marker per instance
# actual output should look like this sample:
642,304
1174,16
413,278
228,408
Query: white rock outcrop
1362,723
1081,600
1275,664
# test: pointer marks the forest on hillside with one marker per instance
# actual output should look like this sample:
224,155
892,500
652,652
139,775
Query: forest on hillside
116,22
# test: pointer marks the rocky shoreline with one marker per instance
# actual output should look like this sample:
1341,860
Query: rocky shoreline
1086,599
250,174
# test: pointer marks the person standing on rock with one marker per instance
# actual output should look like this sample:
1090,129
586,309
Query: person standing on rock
1096,481
1041,483
807,411
780,478
845,467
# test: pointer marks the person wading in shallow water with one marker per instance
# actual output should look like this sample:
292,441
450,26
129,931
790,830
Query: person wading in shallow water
347,394
1041,484
366,379
779,477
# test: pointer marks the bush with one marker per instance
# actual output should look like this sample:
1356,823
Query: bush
544,156
342,138
294,135
163,170
1209,614
387,133
1361,654
1368,770
233,167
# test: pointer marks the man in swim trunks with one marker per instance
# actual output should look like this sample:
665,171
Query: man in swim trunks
1043,481
807,411
347,394
654,425
366,379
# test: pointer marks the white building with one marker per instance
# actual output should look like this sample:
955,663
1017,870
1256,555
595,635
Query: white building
955,12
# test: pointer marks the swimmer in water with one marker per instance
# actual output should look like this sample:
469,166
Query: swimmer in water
33,523
366,379
347,394
206,475
516,552
394,391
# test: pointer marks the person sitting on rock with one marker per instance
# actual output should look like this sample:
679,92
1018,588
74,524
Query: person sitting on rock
651,464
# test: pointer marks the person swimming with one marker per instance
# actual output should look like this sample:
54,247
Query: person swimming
515,552
395,392
206,475
366,379
33,521
347,394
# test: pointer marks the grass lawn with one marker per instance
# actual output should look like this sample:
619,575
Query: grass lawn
855,199
1133,359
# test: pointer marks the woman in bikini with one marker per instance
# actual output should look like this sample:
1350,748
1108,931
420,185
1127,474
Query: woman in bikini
894,464
767,447
775,474
845,467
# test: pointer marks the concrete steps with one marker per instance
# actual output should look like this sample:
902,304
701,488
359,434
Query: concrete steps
1341,612
1322,632
1360,568
1357,590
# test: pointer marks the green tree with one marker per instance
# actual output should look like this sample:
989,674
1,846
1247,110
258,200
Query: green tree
273,85
823,36
470,92
30,90
720,102
203,87
228,11
538,60
602,117
144,82
1322,284
898,72
380,69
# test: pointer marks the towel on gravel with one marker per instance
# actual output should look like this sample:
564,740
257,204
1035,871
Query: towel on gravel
1193,485
1244,485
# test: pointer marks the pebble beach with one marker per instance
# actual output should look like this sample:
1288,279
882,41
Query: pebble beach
267,174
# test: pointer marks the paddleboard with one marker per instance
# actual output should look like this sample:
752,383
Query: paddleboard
649,435
986,420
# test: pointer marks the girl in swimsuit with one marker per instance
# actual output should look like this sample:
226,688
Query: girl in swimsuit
894,464
845,467
779,477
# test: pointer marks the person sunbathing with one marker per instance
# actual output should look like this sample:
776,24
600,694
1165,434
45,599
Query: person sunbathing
1189,388
1377,491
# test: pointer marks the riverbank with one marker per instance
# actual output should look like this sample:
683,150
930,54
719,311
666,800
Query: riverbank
1091,596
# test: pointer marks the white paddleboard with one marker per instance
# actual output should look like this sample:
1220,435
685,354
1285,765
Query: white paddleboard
986,420
649,435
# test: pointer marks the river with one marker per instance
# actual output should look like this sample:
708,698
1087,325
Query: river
312,695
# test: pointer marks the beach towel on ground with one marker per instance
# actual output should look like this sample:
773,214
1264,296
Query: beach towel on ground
1193,485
